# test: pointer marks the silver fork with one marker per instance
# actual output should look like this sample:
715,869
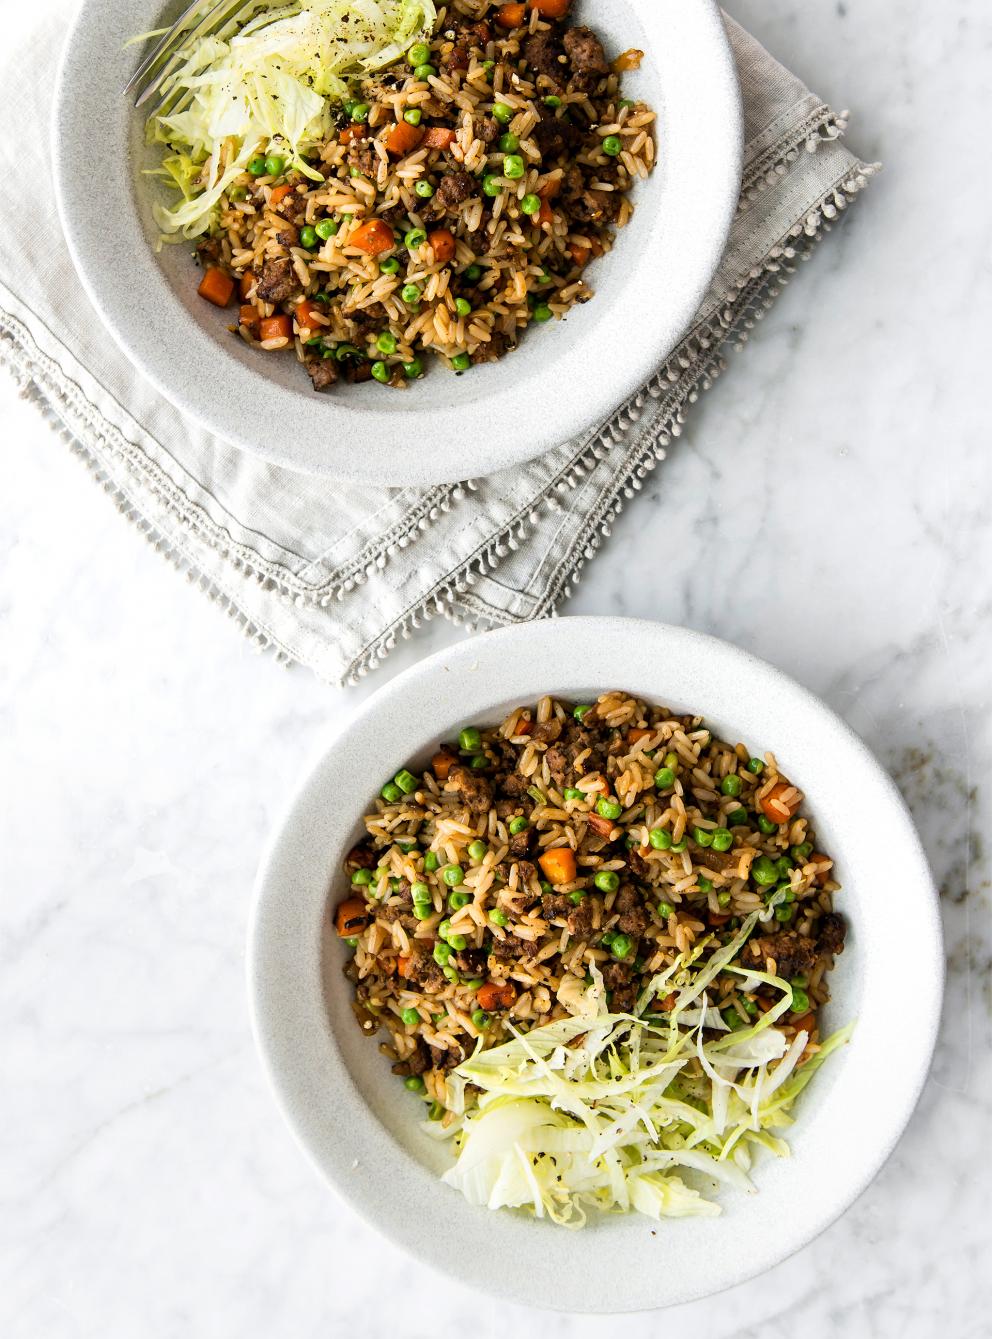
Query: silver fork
201,19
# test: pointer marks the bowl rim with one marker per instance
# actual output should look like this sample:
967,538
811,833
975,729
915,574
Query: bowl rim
931,962
293,428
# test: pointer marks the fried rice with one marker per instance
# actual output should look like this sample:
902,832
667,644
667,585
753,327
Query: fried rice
461,202
616,836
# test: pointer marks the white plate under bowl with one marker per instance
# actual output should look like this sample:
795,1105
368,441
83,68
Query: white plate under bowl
359,1125
562,380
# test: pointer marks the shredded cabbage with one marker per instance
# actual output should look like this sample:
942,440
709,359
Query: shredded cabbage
612,1111
269,88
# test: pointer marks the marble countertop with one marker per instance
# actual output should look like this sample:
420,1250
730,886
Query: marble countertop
828,508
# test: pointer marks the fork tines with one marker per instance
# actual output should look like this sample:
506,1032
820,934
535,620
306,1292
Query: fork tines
200,19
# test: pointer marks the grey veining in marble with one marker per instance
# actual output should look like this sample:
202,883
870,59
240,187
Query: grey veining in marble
828,508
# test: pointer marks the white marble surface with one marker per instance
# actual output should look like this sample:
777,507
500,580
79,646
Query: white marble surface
828,507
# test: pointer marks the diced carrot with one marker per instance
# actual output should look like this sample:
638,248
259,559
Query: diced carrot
217,287
351,917
559,864
511,16
353,132
305,315
823,865
249,316
276,328
278,194
246,284
403,964
579,253
373,237
442,763
668,1003
636,734
439,138
781,802
402,138
551,9
442,243
718,919
628,60
492,996
806,1023
601,825
545,214
550,190
525,727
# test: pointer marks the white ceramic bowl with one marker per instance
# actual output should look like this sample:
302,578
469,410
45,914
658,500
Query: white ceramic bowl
360,1127
563,379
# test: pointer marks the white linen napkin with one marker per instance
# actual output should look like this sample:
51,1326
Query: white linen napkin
331,574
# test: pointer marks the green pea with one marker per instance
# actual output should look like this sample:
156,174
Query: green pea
608,937
749,1006
431,861
450,974
420,892
475,983
457,942
660,838
424,189
413,116
470,739
488,66
492,186
612,146
388,266
308,237
463,307
473,274
513,167
425,71
580,711
784,866
519,824
458,900
435,1111
723,839
498,917
380,371
664,778
509,143
386,343
732,784
477,849
352,943
607,808
552,100
478,762
802,852
783,914
274,165
503,113
415,238
442,952
530,204
766,825
411,1017
360,111
572,794
326,229
607,880
237,193
444,929
542,312
788,895
763,871
415,1083
256,168
453,876
391,792
480,1018
736,818
576,897
423,911
666,909
461,362
621,946
361,877
702,836
546,887
419,54
414,369
705,885
681,844
755,766
625,103
410,293
723,899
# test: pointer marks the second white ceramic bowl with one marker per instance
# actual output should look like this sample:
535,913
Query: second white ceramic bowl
443,428
360,1127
